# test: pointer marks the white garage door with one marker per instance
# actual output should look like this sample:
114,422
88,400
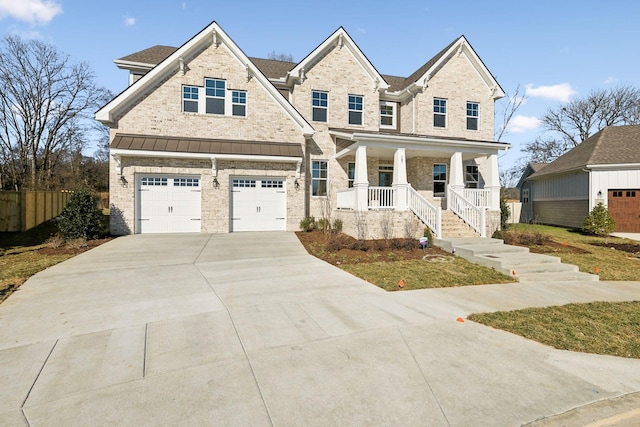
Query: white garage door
168,204
258,204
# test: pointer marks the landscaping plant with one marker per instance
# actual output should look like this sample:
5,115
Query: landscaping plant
81,218
599,222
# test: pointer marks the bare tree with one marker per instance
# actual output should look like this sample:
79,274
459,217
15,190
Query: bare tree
545,149
46,101
279,56
580,118
509,110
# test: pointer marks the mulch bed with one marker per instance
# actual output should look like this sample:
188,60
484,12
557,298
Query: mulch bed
553,247
67,249
338,248
632,248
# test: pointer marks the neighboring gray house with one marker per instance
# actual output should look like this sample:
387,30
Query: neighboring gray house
524,186
207,139
604,168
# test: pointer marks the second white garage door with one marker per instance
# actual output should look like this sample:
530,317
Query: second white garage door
258,204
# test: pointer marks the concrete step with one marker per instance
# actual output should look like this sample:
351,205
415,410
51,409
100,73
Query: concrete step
576,276
449,243
488,249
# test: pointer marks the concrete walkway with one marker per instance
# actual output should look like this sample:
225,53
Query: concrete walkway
247,329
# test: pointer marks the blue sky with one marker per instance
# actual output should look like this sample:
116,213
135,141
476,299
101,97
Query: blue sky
554,50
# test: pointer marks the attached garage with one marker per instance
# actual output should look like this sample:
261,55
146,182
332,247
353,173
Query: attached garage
258,204
624,207
168,204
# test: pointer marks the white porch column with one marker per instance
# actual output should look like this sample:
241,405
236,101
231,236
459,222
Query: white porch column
361,179
456,173
492,182
400,183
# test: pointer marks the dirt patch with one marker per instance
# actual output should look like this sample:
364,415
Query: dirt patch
632,248
553,247
338,248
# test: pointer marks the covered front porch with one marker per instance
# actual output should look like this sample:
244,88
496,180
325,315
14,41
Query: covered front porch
421,174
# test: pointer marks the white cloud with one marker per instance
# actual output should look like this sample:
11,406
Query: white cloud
184,4
610,80
32,11
522,124
560,92
129,21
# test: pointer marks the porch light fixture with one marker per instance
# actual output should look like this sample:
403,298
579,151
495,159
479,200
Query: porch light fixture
216,184
599,194
296,184
123,181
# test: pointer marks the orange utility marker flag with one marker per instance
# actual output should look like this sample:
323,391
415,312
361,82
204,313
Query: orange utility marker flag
513,272
401,284
460,319
595,270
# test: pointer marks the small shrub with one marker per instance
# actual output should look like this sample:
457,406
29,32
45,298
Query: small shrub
77,243
337,225
81,218
505,212
323,224
54,242
380,244
599,222
429,235
396,244
308,224
525,238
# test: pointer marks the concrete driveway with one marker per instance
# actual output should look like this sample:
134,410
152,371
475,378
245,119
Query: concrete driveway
247,329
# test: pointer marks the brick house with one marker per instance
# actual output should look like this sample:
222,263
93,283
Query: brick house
208,139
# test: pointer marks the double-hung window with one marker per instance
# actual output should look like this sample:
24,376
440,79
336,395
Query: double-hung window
214,94
190,99
439,112
355,109
387,115
471,176
319,105
472,115
439,179
239,103
319,178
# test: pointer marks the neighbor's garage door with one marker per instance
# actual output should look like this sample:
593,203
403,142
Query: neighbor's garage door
258,204
168,204
624,206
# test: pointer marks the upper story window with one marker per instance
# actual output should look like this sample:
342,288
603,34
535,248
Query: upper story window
214,94
439,179
439,112
190,99
471,177
472,115
319,178
355,109
239,103
388,115
319,105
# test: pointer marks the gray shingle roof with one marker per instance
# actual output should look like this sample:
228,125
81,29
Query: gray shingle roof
274,69
612,145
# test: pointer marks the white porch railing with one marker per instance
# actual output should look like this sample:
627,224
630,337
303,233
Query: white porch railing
478,196
473,215
381,197
429,214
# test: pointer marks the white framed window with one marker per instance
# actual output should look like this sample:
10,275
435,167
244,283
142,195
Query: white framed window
272,183
319,105
472,115
351,173
355,109
186,182
387,115
239,103
153,181
190,99
214,91
471,176
439,179
439,112
319,178
243,183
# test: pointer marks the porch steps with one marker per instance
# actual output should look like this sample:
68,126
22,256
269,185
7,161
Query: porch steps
528,267
454,226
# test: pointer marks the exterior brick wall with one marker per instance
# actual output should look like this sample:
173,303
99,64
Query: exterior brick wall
370,224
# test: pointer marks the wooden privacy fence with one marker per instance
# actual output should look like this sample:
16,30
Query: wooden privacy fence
23,210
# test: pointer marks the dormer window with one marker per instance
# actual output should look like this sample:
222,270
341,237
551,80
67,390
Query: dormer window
355,109
388,115
472,115
319,106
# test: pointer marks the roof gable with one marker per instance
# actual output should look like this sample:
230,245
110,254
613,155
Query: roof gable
341,39
210,35
420,77
612,145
